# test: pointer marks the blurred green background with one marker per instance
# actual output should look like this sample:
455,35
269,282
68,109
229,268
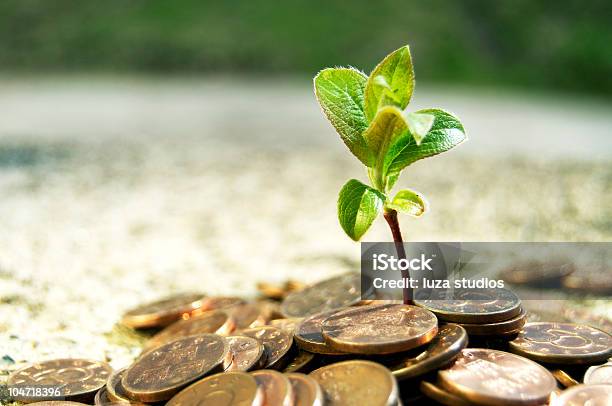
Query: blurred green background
560,45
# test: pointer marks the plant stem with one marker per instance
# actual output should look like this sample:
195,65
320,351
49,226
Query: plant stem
391,217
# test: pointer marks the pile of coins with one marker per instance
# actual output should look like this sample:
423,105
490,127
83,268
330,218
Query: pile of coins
481,312
323,345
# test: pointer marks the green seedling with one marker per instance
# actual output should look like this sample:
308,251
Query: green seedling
370,115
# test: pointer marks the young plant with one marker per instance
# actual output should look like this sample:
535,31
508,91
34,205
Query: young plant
369,113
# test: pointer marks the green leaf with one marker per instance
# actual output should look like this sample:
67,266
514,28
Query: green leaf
419,125
445,133
340,92
410,202
358,207
390,180
390,83
388,124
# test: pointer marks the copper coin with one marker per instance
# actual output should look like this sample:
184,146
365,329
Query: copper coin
289,325
58,403
499,328
114,390
538,273
101,397
554,395
248,315
220,302
474,305
299,362
245,353
163,371
354,382
599,374
276,342
491,377
271,291
445,346
76,379
564,378
308,335
211,322
562,343
163,312
270,309
224,389
306,391
381,329
276,387
111,403
441,396
294,286
585,395
595,283
330,294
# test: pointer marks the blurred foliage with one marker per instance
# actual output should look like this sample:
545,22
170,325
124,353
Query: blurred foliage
564,44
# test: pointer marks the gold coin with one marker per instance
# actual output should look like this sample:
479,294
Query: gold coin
111,403
57,403
499,328
163,371
490,377
101,397
220,302
224,389
354,382
585,395
599,374
294,286
163,312
441,396
300,362
564,378
562,343
114,390
308,335
306,391
271,291
245,353
276,387
210,322
330,294
380,329
270,309
289,325
445,347
276,342
474,305
248,315
76,379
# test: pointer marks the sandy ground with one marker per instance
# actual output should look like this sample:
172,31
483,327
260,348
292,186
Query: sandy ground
116,191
